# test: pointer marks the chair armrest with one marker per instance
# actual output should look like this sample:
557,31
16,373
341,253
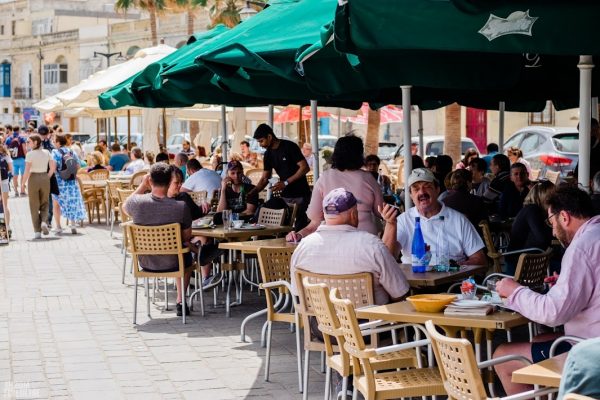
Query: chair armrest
519,251
373,324
566,338
277,284
503,359
530,394
495,275
392,327
403,346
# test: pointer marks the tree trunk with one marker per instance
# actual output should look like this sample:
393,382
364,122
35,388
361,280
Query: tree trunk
153,27
373,124
303,130
452,136
194,131
190,22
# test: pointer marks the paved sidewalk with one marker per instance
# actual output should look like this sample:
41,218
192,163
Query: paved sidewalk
66,330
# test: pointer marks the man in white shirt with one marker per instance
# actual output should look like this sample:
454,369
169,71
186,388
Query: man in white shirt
200,179
337,248
307,152
463,242
137,162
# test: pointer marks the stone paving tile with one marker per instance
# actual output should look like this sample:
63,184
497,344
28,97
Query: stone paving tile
66,330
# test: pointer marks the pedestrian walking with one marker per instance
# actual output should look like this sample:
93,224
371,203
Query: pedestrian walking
69,202
39,167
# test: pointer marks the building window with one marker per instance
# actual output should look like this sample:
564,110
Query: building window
55,73
1,29
5,79
546,117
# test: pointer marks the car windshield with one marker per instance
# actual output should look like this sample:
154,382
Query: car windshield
327,142
566,142
386,149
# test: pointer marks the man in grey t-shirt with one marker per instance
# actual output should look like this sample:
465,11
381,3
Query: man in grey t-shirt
156,208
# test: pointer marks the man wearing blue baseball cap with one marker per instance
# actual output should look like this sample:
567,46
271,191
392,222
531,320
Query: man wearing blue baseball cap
338,248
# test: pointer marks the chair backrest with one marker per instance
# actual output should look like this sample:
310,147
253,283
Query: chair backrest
274,266
136,178
99,174
124,194
154,241
457,364
84,176
269,216
254,174
82,170
552,176
358,288
112,187
532,269
490,246
354,342
400,174
199,197
534,174
329,324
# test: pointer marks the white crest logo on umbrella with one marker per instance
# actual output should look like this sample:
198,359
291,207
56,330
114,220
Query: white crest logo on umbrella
517,23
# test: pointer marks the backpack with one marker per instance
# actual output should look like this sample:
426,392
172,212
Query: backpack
68,166
15,147
3,168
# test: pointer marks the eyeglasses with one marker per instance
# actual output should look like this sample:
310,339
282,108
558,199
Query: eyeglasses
548,222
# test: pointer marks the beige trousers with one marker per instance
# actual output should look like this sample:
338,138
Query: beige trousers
39,192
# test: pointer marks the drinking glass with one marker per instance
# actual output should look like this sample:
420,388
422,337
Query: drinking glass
227,219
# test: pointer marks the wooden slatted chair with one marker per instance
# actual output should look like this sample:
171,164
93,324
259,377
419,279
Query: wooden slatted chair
199,197
310,177
125,219
274,266
382,385
90,200
254,175
158,240
357,287
329,325
534,174
114,201
270,217
460,372
137,178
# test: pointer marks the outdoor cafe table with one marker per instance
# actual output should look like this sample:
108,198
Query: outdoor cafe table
435,279
545,373
236,235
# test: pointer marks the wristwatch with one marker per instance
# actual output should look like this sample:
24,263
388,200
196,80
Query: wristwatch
286,183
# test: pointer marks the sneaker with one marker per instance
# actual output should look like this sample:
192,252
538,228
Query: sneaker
37,235
57,231
207,281
179,309
73,229
45,230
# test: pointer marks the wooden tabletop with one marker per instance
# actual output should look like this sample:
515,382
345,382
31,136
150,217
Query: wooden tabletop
404,312
433,279
238,235
252,246
544,373
99,184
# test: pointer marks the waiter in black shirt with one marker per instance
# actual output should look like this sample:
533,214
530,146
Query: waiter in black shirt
286,158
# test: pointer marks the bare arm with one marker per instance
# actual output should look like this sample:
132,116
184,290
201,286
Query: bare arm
478,258
389,238
303,169
297,236
52,170
222,198
27,172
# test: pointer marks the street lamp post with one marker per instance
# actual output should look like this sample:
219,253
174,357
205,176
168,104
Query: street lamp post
108,56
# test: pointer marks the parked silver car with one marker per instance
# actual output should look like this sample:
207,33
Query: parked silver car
434,145
547,148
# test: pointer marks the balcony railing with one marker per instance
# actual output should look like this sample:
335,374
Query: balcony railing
21,93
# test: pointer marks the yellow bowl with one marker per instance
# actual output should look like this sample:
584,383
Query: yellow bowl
431,302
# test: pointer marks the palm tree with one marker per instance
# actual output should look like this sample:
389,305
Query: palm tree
452,135
228,15
153,7
372,139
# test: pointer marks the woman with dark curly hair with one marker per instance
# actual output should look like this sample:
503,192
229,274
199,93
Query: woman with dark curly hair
345,172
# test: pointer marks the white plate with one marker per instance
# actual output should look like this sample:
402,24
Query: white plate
470,303
250,227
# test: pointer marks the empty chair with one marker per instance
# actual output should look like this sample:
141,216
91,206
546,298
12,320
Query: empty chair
99,174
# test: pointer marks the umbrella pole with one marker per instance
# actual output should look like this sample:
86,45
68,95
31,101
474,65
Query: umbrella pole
585,66
97,131
164,125
407,154
501,108
339,118
115,122
128,130
420,131
224,139
595,108
314,133
271,115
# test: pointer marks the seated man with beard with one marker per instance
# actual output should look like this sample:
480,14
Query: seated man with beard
464,244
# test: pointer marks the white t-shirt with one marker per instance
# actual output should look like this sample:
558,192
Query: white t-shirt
135,166
204,179
39,160
463,240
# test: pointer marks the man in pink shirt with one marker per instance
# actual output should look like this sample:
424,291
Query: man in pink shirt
337,247
574,301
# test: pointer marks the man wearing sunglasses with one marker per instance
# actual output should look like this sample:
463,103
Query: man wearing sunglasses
574,301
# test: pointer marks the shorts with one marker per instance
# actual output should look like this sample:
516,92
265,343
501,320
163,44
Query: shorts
540,351
4,186
18,166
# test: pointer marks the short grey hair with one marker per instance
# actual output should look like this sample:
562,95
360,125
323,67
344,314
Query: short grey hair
596,183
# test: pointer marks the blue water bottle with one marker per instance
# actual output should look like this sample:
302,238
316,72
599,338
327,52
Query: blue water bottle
418,248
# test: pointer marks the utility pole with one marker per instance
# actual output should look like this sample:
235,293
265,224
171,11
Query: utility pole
40,57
